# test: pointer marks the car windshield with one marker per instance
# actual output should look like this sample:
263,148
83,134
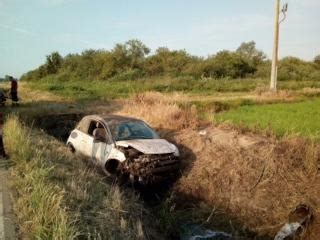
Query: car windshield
131,130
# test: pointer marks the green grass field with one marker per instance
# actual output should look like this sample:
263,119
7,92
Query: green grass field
300,118
89,90
106,90
272,114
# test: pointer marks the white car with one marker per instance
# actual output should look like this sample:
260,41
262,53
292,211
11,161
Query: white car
125,147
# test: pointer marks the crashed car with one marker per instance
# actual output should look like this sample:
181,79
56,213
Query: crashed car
125,147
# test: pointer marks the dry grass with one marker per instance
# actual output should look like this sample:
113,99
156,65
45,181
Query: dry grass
155,109
256,180
311,91
279,96
253,179
38,203
33,95
59,196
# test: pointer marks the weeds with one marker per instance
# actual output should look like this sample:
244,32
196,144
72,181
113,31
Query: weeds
256,183
59,196
254,180
156,110
38,204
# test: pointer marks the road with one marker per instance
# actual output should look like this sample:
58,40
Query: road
7,227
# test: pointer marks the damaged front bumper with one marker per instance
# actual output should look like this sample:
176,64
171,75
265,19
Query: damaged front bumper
154,168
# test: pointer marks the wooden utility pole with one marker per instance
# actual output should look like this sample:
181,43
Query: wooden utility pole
274,68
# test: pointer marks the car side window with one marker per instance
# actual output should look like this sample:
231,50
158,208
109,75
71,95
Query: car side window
83,125
97,131
92,127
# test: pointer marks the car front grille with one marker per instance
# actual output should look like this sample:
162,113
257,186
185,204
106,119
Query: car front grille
155,167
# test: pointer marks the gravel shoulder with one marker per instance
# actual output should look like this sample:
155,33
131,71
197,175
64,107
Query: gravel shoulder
7,226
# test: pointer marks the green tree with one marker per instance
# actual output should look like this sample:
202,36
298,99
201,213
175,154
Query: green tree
136,51
251,54
292,68
130,54
226,64
53,63
317,60
171,62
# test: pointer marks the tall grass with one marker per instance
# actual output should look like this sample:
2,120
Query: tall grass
247,180
39,203
60,196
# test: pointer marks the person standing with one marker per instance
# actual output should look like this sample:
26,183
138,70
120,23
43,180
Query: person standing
14,90
2,151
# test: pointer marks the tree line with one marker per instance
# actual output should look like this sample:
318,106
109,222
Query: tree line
132,60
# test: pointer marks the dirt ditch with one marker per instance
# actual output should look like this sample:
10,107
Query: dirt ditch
58,125
255,180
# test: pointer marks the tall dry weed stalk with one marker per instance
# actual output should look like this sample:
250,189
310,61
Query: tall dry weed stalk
155,109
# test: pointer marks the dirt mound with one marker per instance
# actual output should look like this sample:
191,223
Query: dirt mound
258,180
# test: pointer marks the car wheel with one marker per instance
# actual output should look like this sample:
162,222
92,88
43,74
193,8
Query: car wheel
71,148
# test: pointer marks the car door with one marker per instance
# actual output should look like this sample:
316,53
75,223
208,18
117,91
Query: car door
82,138
101,148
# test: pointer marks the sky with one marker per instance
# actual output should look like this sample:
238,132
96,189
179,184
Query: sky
30,30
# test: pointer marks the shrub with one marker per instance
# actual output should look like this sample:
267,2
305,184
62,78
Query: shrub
130,60
291,68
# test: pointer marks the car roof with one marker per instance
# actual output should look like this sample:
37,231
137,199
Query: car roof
112,118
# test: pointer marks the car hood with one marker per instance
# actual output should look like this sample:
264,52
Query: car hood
149,146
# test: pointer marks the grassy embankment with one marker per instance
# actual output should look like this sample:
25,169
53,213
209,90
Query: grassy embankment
57,196
82,188
239,100
300,118
106,90
249,178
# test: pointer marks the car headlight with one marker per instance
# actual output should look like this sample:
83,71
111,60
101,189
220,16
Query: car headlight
176,152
